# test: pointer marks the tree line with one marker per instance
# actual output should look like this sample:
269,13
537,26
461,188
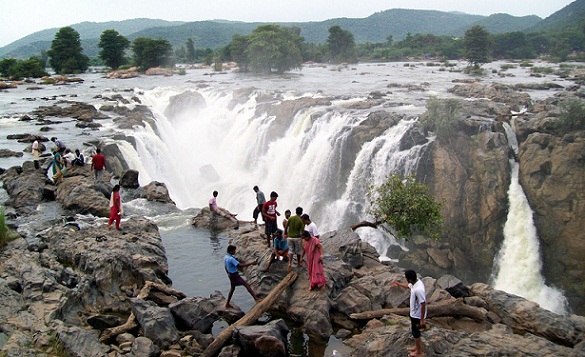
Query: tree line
274,48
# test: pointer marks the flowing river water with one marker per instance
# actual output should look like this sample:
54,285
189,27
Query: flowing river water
232,147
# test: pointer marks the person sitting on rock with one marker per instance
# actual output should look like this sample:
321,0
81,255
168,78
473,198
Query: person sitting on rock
213,207
69,157
79,159
280,249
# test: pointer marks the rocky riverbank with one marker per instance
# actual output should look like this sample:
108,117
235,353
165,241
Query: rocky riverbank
70,286
79,289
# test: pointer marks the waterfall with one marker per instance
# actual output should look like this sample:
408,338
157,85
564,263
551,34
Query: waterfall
229,145
518,267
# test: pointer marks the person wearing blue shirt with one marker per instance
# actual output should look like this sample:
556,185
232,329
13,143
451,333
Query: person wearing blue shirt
231,267
280,249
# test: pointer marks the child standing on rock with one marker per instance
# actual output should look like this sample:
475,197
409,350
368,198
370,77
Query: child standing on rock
231,268
418,309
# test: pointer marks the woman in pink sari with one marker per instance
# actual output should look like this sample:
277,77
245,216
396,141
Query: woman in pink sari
314,251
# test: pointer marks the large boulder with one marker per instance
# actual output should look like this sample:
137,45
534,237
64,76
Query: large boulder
84,195
25,186
129,179
264,340
156,323
154,191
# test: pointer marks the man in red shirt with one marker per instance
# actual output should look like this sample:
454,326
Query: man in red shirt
269,213
98,164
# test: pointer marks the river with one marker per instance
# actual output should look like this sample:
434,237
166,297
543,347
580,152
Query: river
230,148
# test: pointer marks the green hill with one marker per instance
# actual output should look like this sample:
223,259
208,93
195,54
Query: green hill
374,28
41,40
572,15
502,23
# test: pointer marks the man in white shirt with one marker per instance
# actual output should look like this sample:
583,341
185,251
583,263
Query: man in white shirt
310,226
418,309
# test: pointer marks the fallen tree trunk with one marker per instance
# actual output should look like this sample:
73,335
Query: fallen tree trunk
457,308
254,314
365,224
115,331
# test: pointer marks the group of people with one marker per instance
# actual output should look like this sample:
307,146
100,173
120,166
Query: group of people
63,157
299,237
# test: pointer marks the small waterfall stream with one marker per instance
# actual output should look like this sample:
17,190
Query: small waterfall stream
518,266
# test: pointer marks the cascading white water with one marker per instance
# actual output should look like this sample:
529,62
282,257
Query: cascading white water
518,267
230,149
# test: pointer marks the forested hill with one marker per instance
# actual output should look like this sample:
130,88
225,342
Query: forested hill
87,30
571,16
214,34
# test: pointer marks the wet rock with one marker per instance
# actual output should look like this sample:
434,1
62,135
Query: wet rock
9,153
206,219
129,179
154,191
188,101
82,194
263,340
25,186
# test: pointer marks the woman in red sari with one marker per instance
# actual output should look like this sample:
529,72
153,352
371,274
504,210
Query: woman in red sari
116,210
314,251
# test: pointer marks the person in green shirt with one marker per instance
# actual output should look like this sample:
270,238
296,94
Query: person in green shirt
293,231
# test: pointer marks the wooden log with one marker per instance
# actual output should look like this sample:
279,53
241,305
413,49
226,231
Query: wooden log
252,316
457,308
115,331
365,224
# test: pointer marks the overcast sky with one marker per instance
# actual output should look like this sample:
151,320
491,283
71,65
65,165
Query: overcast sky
19,18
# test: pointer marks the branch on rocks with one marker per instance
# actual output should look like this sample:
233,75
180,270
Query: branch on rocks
365,224
149,285
457,308
115,331
254,314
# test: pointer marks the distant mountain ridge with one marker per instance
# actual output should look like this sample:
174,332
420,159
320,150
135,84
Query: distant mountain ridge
217,33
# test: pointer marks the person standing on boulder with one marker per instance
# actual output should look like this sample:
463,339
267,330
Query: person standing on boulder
231,267
314,251
310,225
35,151
418,308
116,210
98,164
294,227
58,168
260,200
269,213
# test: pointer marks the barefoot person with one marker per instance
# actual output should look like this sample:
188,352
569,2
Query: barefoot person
280,249
294,227
218,210
260,201
231,267
314,253
418,308
269,213
116,210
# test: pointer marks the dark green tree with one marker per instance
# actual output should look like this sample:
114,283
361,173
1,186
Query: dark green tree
271,47
341,45
5,64
478,46
32,67
113,47
190,51
66,54
237,51
406,206
150,53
